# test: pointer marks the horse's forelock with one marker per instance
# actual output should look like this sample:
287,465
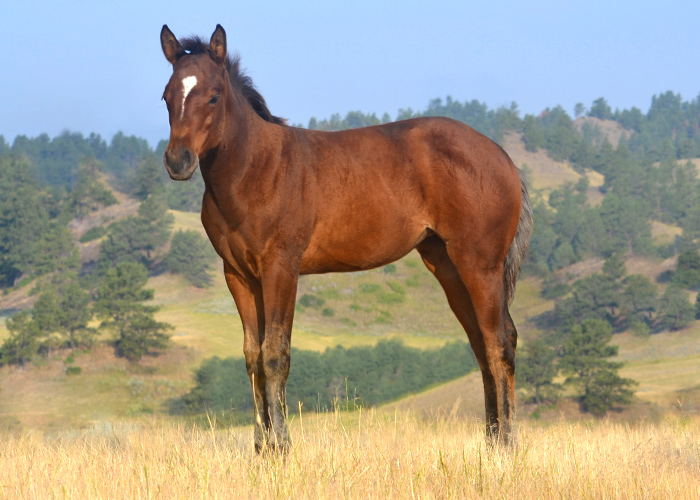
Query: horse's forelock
194,45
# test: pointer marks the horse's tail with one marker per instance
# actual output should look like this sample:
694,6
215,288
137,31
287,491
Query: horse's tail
518,249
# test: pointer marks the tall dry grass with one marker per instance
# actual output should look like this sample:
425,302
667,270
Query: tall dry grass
357,455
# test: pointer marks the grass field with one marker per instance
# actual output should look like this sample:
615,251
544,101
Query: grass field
358,455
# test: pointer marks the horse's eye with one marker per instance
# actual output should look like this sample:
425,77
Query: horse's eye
214,99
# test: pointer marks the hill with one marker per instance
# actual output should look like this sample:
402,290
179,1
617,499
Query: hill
401,300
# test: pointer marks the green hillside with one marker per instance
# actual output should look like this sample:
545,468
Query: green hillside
586,177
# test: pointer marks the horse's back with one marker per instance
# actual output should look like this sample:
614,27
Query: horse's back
382,189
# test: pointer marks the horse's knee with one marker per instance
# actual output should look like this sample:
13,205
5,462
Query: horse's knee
276,358
252,353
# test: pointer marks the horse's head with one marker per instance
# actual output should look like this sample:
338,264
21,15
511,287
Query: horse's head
194,96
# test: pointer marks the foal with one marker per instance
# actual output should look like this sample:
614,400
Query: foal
283,201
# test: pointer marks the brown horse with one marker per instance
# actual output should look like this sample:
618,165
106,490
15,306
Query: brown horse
282,201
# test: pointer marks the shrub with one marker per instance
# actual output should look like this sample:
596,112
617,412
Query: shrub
396,287
389,269
93,234
73,370
311,300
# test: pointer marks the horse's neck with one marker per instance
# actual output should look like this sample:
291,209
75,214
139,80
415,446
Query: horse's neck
242,159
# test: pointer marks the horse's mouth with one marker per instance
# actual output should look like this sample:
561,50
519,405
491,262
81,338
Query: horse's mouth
185,175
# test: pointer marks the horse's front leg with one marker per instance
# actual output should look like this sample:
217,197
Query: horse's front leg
279,285
247,293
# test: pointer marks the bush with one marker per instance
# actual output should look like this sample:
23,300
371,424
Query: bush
390,298
311,300
93,234
73,370
396,287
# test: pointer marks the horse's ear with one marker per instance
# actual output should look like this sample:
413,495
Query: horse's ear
171,47
218,43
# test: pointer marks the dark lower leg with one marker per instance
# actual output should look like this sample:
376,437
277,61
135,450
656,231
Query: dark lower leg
277,361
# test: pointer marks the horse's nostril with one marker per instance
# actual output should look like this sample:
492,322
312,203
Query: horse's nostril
168,157
185,158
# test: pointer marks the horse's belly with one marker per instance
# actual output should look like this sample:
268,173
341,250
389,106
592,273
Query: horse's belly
345,247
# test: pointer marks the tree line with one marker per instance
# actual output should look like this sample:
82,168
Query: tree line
52,181
337,377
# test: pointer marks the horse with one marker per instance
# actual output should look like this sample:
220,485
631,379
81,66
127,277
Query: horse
282,201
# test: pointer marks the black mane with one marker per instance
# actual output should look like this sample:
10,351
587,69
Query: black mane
239,80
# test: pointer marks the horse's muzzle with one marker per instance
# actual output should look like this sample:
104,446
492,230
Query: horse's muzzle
180,164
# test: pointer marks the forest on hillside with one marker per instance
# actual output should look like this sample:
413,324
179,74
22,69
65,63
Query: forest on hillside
50,183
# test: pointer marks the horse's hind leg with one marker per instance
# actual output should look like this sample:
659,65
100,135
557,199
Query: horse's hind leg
476,298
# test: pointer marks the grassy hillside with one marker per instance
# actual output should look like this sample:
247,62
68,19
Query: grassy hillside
402,300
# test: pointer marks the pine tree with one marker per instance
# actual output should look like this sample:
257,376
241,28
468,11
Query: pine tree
65,312
23,219
687,273
149,178
120,298
192,256
584,356
23,343
136,238
676,310
536,369
89,194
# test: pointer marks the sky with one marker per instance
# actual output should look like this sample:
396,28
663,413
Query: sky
91,66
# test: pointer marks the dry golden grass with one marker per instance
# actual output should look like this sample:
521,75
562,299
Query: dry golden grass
357,455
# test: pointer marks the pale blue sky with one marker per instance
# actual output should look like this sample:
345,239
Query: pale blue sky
94,67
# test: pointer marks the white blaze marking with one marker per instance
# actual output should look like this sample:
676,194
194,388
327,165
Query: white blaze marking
188,84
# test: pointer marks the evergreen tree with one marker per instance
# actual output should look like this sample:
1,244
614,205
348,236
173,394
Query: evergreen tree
687,273
89,194
533,134
141,334
192,256
584,356
153,224
149,178
23,219
23,342
55,251
120,298
676,312
135,238
536,369
597,296
600,109
639,299
65,312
